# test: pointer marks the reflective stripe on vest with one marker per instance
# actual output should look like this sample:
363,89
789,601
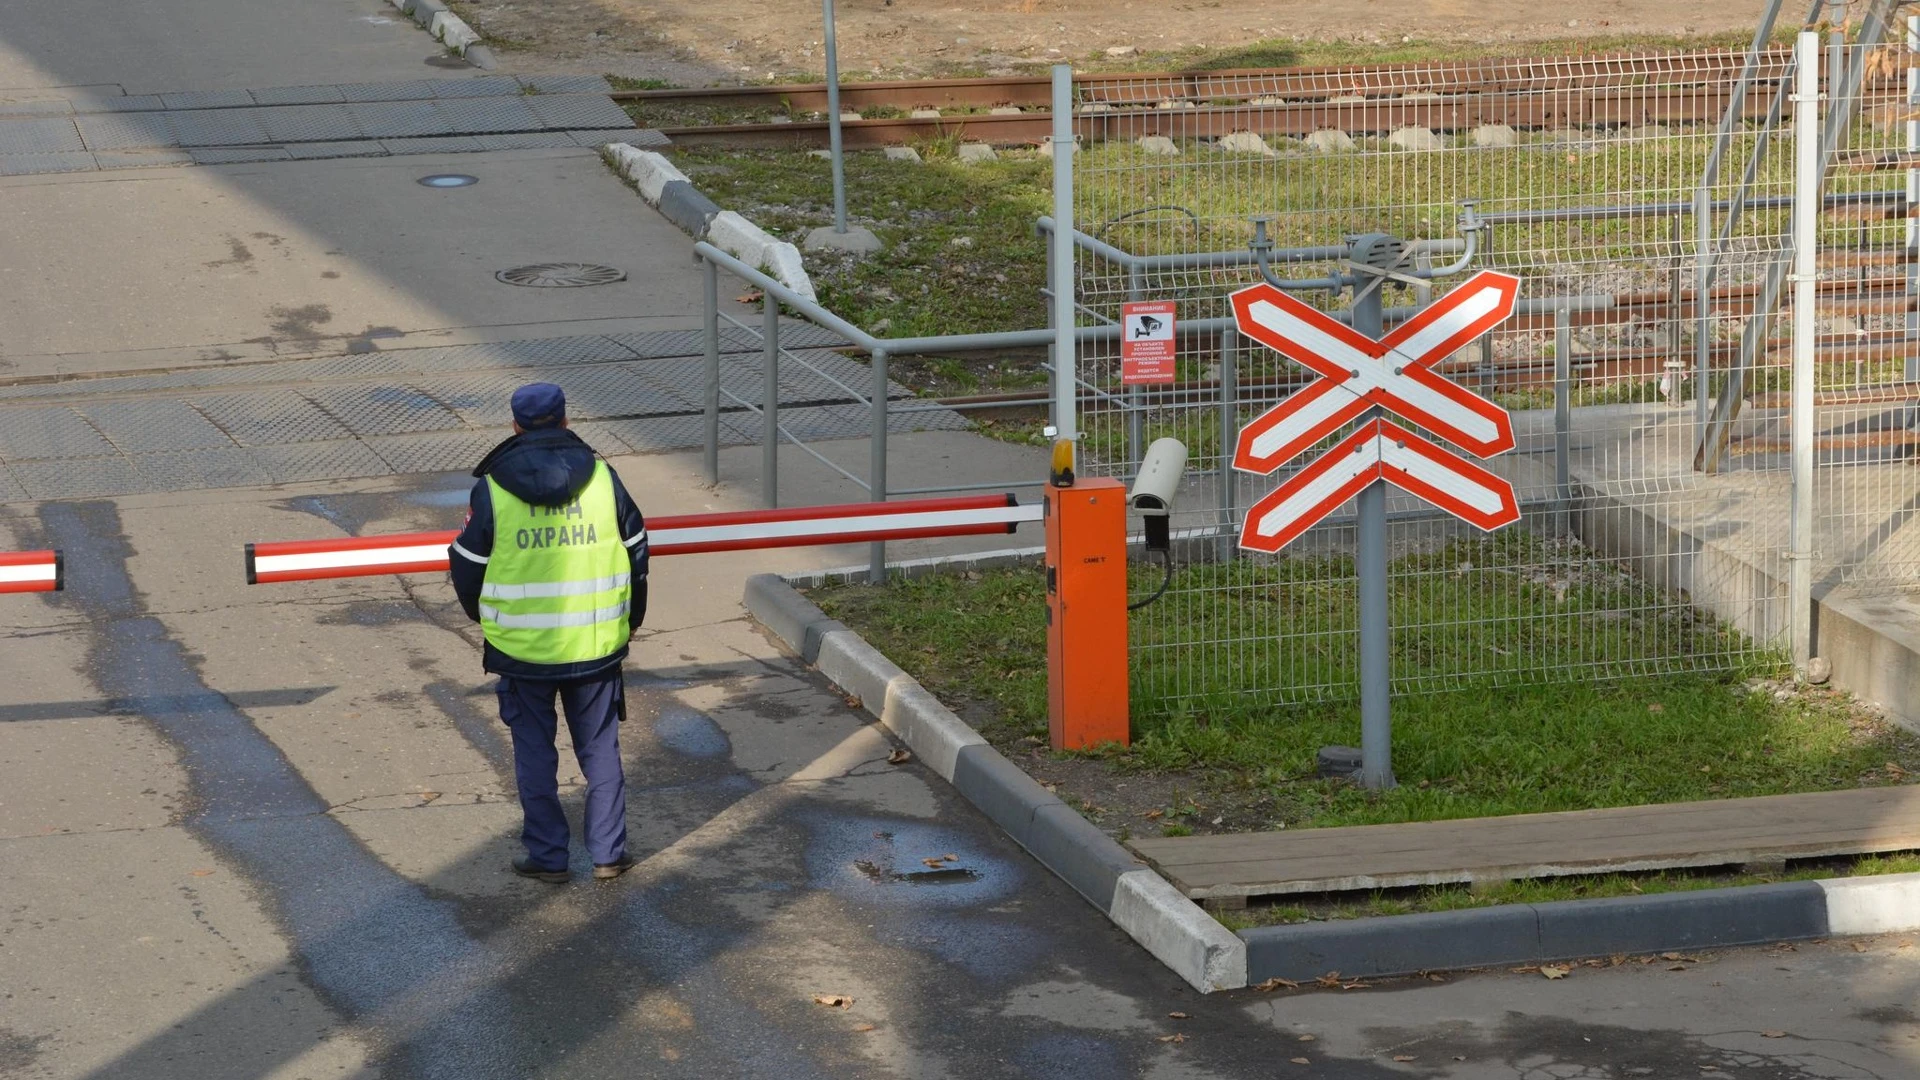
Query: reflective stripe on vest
559,581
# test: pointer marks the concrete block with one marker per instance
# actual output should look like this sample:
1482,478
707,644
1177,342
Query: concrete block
1046,148
650,172
783,261
739,237
1178,933
856,240
1495,135
931,729
1246,142
425,11
1003,110
925,114
1329,141
848,117
1395,944
973,153
1001,790
1159,144
783,611
1873,905
1683,920
858,669
1415,138
684,205
453,31
1083,856
902,153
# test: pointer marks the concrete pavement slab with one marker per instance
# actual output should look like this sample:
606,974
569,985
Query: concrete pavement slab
304,254
112,940
212,45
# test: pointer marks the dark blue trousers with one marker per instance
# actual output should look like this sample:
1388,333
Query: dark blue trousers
594,708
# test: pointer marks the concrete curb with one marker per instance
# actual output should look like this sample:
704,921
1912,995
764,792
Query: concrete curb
668,190
452,31
1153,913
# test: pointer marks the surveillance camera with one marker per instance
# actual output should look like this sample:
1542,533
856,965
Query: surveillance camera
1159,479
1155,487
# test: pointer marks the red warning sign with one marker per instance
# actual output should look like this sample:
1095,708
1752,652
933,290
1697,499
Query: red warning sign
1146,342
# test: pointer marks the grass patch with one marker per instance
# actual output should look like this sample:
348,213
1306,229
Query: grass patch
1587,690
961,257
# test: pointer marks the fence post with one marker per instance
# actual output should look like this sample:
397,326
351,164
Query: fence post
1806,223
877,466
835,145
1136,394
1913,193
1066,383
770,400
1229,436
1376,635
1563,414
711,274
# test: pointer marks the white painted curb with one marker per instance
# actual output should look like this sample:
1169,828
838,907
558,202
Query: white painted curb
450,29
650,172
1872,905
1177,932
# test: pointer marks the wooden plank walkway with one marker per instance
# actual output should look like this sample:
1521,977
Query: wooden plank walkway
1715,833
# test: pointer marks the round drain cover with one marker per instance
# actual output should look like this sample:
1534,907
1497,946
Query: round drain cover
561,275
447,180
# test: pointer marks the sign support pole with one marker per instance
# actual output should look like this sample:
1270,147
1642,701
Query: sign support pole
1376,659
1066,372
836,148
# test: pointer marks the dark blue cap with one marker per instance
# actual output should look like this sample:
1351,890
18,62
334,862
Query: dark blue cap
539,405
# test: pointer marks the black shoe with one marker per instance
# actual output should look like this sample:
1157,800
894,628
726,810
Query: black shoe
607,871
526,867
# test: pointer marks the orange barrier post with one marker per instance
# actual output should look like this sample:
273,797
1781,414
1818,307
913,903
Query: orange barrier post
1087,614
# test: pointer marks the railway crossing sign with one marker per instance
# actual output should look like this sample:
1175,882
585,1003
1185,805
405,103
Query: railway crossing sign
1358,375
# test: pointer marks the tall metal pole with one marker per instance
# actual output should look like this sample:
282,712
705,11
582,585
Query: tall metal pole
835,150
711,288
1806,221
1563,415
1376,632
770,400
877,464
1066,382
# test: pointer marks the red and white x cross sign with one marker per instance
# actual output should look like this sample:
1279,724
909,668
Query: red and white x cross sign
1358,373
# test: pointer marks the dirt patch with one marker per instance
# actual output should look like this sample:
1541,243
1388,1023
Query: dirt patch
682,40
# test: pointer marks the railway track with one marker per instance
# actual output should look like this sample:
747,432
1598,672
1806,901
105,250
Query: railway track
1603,91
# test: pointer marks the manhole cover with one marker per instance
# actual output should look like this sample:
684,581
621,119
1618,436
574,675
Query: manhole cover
561,275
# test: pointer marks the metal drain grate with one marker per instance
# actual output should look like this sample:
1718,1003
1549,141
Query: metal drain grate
561,275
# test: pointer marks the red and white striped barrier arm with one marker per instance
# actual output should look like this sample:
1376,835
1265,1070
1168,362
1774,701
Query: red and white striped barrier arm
690,534
32,571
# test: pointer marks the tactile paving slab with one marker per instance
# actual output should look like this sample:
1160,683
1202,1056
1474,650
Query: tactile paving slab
383,410
271,418
48,434
141,426
39,136
435,453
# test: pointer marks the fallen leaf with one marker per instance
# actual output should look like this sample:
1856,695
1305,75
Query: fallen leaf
1436,978
1678,967
1553,971
1330,980
863,1027
201,873
899,757
936,863
1527,970
949,857
837,1001
1403,1057
1153,815
1656,707
1176,1016
748,297
1773,1034
1306,1038
1354,985
1276,983
1176,1037
1301,1061
1709,1068
1459,1057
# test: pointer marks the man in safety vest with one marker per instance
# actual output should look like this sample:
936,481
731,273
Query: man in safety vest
553,566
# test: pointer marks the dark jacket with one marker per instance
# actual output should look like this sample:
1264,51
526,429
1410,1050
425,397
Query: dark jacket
546,468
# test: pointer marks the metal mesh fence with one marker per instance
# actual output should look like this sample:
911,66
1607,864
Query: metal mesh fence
1643,213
